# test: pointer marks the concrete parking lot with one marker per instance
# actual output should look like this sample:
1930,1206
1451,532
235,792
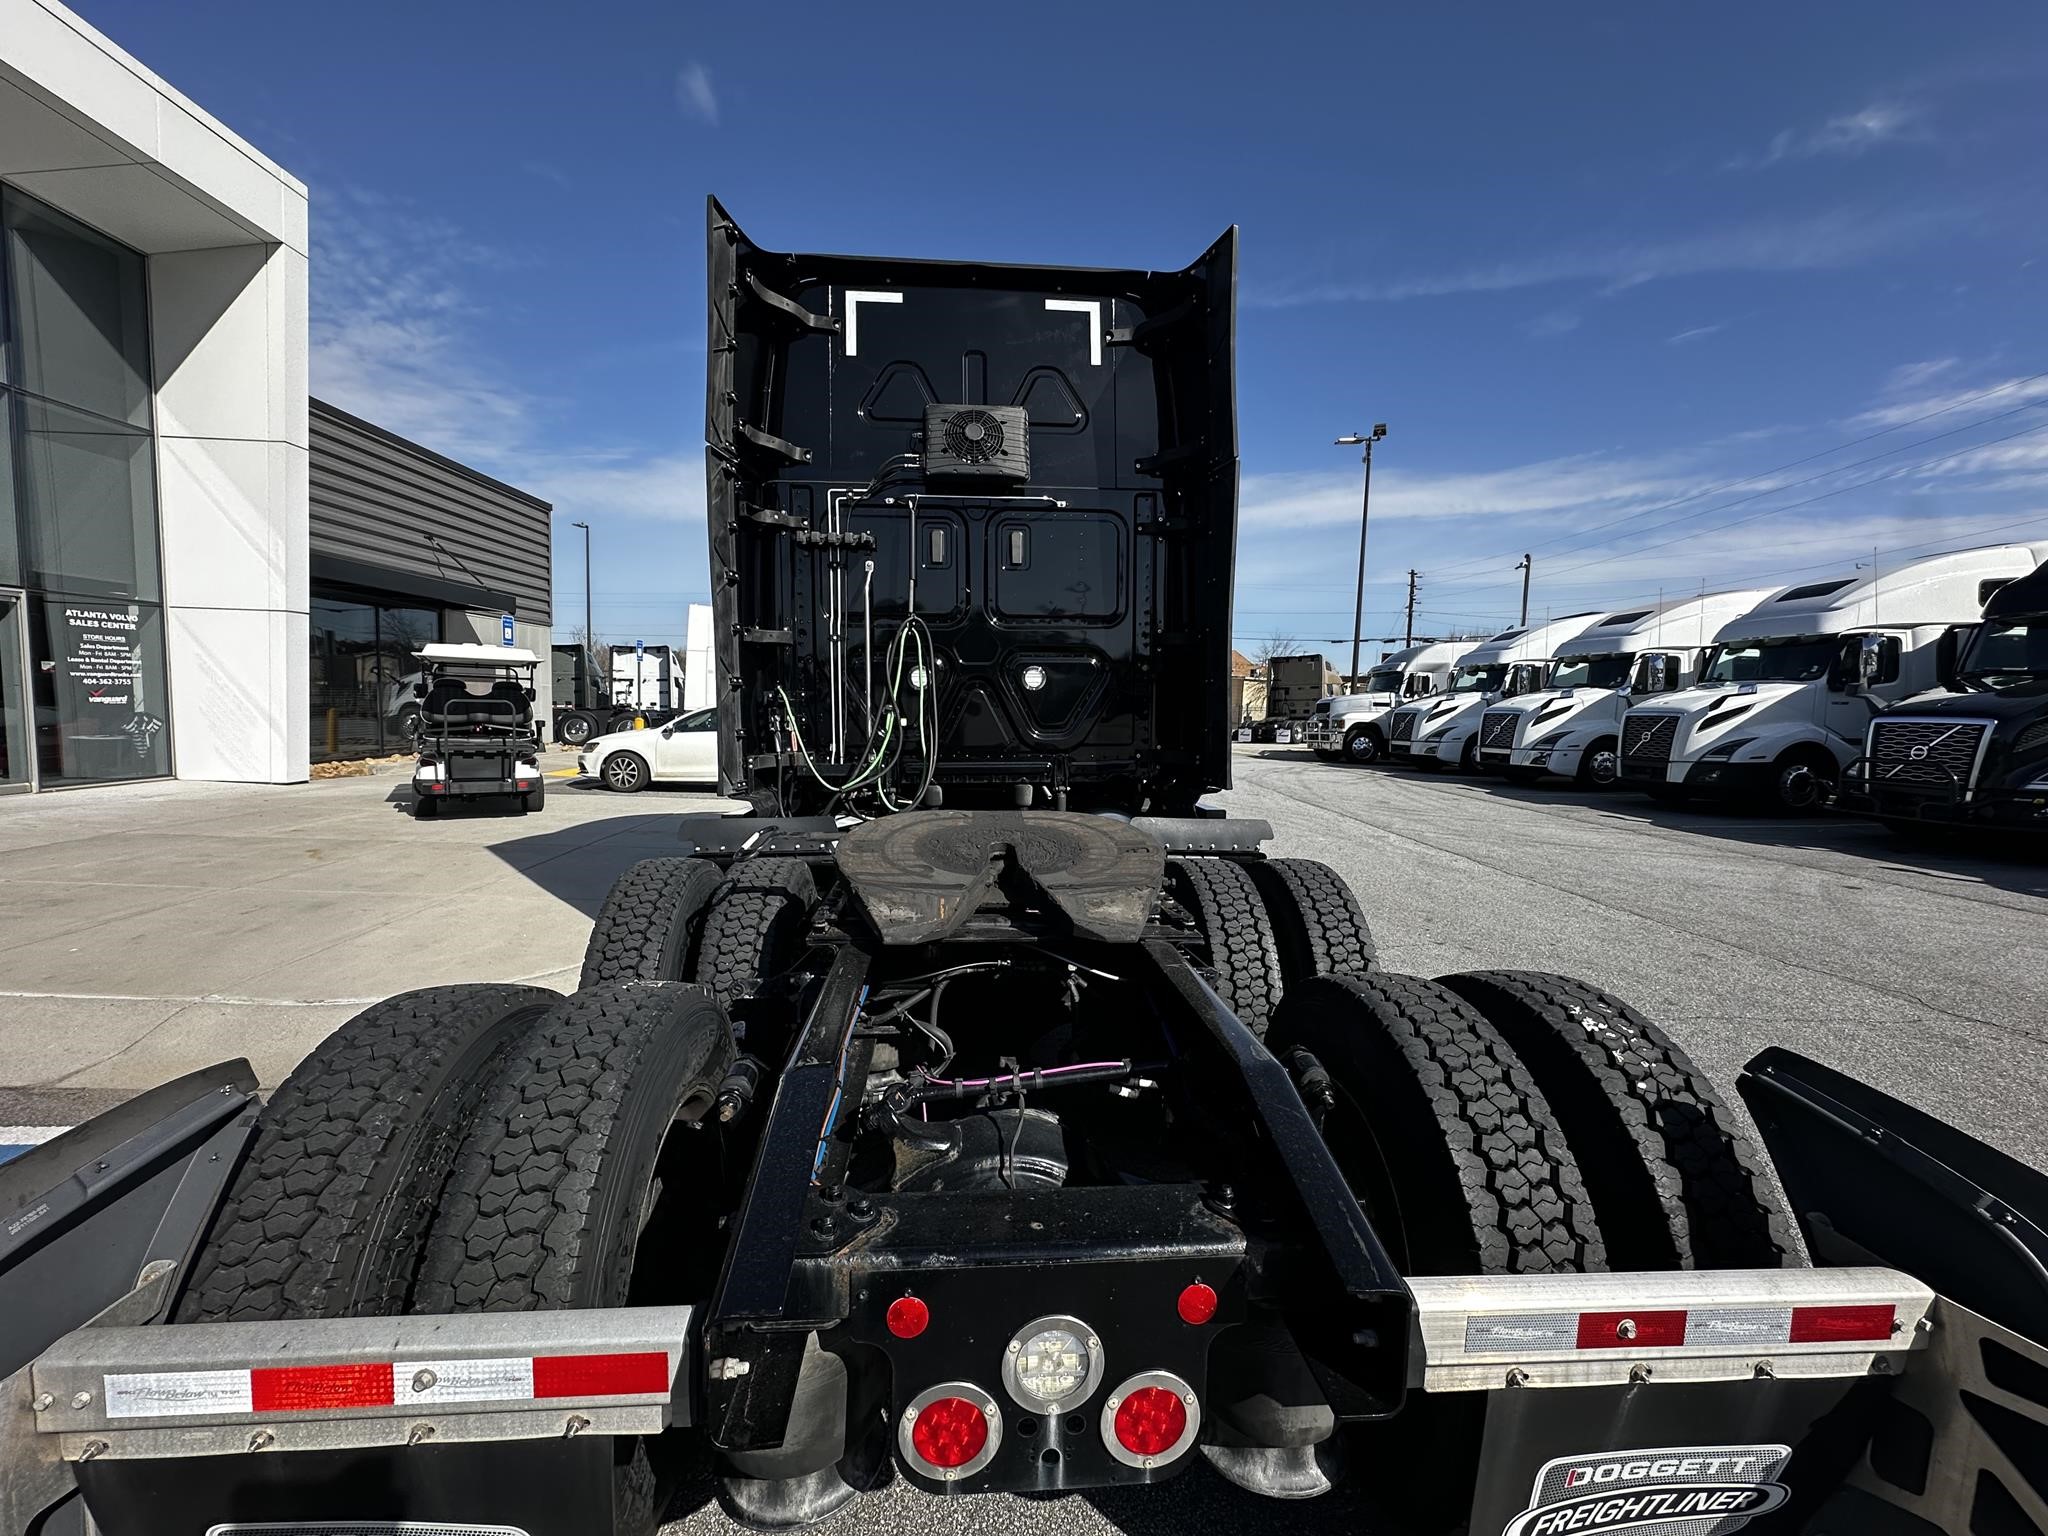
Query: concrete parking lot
149,930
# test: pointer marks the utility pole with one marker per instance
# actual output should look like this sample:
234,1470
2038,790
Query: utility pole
1353,440
1525,568
1410,640
590,680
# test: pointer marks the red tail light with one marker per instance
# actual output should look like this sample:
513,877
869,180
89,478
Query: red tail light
1150,1420
949,1431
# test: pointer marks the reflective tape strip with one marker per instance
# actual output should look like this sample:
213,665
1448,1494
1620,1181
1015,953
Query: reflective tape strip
508,1379
1514,1335
1739,1325
166,1394
384,1384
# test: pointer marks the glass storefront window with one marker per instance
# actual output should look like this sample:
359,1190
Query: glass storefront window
363,673
79,315
10,536
88,502
101,713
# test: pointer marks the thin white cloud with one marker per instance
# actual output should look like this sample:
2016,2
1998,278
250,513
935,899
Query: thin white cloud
1820,242
393,340
694,93
1696,333
1588,484
1552,322
1988,397
1851,134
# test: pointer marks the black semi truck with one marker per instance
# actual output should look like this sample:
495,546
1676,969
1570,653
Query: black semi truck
1973,752
985,1112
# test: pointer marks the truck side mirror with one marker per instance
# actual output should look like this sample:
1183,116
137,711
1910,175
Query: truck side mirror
1877,660
1948,655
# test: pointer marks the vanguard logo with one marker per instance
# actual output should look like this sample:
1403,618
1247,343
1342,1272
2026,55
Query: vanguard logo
1693,1490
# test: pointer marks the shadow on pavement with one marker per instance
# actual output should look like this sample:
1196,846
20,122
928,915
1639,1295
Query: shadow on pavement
2004,860
578,862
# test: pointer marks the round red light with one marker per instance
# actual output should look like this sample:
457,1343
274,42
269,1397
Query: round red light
908,1317
1151,1421
1197,1304
950,1432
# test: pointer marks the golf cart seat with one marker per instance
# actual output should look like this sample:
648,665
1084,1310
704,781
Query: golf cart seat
449,703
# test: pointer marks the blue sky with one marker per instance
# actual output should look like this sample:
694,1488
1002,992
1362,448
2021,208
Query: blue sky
1588,263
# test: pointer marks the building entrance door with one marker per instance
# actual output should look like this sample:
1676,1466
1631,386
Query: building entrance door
17,710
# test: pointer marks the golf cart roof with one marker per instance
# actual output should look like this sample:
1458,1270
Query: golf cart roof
486,655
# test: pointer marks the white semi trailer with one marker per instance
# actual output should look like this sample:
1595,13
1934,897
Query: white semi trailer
1573,727
1354,727
1444,729
1786,699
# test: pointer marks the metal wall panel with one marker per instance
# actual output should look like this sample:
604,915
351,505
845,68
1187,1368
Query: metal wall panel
375,498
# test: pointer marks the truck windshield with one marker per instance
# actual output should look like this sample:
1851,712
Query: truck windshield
1592,671
1772,661
1479,679
1382,680
2010,648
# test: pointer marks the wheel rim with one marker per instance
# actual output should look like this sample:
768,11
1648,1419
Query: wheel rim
622,773
1363,749
575,731
1800,788
1604,767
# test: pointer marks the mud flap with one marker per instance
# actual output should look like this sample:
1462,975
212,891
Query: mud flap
1669,1459
1962,1444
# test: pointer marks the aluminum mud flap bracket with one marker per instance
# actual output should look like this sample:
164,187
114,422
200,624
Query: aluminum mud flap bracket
474,1421
1681,1404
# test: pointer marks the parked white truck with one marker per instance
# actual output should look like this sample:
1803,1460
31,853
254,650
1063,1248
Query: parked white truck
1354,726
1573,727
1786,699
1444,730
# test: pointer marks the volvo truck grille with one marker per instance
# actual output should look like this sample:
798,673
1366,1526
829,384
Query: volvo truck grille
1497,729
1404,727
1646,744
1939,754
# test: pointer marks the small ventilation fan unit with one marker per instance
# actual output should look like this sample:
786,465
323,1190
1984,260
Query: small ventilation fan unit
977,442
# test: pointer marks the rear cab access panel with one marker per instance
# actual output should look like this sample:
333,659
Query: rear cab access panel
1107,572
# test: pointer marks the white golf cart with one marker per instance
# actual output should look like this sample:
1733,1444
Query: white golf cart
476,727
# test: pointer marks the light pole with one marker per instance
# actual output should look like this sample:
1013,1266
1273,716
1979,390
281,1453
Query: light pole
1353,440
589,633
1525,567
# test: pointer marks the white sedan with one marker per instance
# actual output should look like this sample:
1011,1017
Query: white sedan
685,751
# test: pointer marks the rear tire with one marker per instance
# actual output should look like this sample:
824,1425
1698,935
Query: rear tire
537,797
575,728
755,926
1676,1182
643,930
569,1160
328,1214
1318,927
1225,904
425,808
1476,1177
